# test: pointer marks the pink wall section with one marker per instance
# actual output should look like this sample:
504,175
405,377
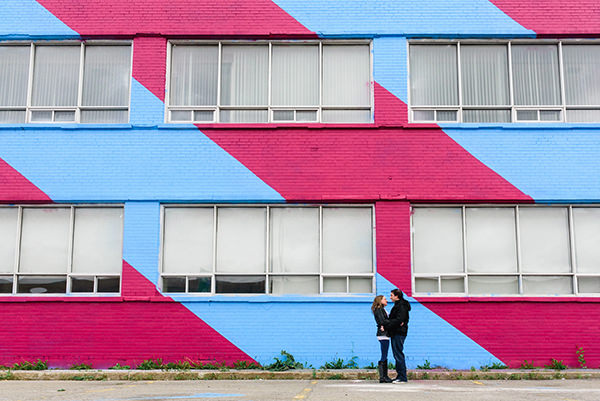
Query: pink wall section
14,187
554,17
535,330
249,18
150,63
104,331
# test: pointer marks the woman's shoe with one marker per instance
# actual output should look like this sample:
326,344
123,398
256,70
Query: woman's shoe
382,369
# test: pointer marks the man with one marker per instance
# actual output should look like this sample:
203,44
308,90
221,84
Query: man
397,328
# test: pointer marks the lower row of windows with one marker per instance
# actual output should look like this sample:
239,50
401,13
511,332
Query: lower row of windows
59,284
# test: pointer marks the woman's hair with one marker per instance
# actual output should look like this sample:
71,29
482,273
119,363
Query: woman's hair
377,303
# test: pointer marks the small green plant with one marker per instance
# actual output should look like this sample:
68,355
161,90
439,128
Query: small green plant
120,367
527,365
473,369
336,376
245,365
370,366
391,366
81,366
150,364
339,363
581,357
425,366
26,365
179,365
495,365
287,362
556,365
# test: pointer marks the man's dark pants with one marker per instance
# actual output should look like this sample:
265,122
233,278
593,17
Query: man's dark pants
398,351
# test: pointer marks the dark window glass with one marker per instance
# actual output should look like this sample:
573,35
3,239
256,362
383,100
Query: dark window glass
199,284
240,284
6,284
108,284
173,284
42,284
82,284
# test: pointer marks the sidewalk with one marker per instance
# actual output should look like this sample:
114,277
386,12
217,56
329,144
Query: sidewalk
297,374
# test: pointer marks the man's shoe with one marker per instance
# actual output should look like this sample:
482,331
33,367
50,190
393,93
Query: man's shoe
398,381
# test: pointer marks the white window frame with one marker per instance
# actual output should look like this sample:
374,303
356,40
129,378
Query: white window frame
79,107
267,274
269,108
562,107
465,274
69,268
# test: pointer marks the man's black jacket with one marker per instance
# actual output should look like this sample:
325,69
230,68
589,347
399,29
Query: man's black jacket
397,323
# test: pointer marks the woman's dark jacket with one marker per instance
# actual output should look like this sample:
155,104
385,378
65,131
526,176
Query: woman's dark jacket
381,317
397,324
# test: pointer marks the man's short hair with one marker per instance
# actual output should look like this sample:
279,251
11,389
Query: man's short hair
397,292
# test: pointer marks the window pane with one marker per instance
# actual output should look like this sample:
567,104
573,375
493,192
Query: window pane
547,285
45,240
497,285
109,284
424,115
535,74
82,284
8,239
334,284
583,116
244,116
98,240
294,240
244,75
194,72
549,115
527,115
65,116
433,75
437,240
103,116
446,115
294,285
241,240
306,115
283,115
347,240
106,75
346,116
173,284
14,74
56,75
544,240
42,284
426,284
6,284
453,285
484,74
41,115
586,224
491,240
360,285
240,284
588,285
181,115
295,75
12,116
486,116
199,284
188,240
582,81
204,115
346,75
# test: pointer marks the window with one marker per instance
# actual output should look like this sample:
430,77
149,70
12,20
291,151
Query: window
267,250
266,82
60,250
494,82
47,83
506,250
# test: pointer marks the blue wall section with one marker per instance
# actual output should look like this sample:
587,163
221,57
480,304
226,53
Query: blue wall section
141,238
104,164
318,330
550,164
25,19
390,65
146,108
437,18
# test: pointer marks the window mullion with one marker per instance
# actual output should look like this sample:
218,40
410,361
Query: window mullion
70,248
267,249
459,80
518,238
219,78
269,84
510,84
562,82
464,242
321,82
320,249
18,247
30,82
213,284
572,250
80,84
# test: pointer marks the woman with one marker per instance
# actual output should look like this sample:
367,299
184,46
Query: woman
381,318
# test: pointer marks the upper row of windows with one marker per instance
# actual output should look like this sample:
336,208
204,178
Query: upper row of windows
319,82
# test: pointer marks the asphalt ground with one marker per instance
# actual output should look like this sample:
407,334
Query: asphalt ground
301,390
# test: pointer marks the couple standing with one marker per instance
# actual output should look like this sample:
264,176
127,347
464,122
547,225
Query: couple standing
392,328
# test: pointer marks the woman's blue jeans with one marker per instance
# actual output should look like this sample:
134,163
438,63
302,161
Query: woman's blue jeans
385,346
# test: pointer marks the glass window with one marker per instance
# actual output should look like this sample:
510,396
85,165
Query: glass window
582,81
484,75
433,75
295,240
295,75
241,243
14,74
491,240
194,75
